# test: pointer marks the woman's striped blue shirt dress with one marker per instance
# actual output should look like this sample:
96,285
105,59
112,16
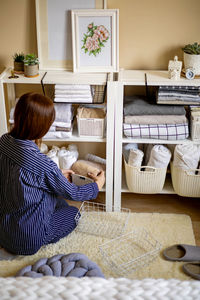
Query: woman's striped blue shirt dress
33,211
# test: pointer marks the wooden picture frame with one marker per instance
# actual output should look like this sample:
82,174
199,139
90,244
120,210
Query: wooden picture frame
53,21
95,40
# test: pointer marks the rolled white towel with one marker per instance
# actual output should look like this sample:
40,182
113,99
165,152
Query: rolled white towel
95,158
53,155
159,157
135,157
44,148
126,149
187,157
66,159
54,147
73,149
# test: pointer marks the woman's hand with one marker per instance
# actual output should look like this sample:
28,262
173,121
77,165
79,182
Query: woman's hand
99,179
67,174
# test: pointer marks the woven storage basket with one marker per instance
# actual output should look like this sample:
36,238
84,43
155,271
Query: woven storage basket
99,93
91,127
184,183
195,130
145,182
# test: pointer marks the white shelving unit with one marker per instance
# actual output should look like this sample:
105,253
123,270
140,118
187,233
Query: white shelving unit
64,77
114,134
138,78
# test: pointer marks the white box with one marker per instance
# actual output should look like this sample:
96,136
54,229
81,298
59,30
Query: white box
91,127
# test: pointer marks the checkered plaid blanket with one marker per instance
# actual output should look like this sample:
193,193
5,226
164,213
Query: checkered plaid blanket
157,131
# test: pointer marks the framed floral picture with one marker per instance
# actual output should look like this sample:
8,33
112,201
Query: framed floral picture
95,41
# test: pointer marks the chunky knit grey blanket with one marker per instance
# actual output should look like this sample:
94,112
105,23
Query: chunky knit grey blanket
73,264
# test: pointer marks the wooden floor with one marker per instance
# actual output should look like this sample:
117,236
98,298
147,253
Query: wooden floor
162,204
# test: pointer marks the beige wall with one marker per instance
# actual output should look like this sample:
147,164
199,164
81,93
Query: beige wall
151,31
17,29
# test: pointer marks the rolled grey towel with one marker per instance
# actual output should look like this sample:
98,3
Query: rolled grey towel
73,264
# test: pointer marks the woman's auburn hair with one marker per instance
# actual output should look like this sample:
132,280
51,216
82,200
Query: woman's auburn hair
33,116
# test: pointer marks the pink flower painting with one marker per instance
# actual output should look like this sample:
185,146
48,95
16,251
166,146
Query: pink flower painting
95,39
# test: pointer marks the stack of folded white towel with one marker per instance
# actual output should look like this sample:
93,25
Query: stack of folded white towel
62,126
187,157
157,156
63,157
75,93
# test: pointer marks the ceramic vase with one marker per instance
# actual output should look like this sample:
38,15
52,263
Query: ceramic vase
192,61
19,66
31,71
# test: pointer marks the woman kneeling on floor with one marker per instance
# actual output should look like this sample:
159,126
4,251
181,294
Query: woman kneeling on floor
33,211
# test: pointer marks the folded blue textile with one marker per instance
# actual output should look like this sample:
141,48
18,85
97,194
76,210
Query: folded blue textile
73,264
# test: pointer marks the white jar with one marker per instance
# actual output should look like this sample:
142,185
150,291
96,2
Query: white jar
192,61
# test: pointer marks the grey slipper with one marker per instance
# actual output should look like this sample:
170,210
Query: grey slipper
192,269
182,252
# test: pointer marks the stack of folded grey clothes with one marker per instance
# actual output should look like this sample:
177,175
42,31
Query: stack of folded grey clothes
178,94
63,124
143,119
74,93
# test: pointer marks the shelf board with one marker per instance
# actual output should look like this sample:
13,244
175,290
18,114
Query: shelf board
132,77
167,189
21,78
66,77
155,78
76,138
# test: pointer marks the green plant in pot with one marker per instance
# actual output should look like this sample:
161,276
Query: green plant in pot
191,57
31,63
18,62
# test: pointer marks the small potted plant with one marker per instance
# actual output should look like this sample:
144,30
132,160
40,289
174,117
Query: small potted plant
31,63
192,57
18,62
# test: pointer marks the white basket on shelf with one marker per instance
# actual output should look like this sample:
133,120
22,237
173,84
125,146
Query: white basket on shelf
96,220
129,252
142,181
195,129
91,127
185,182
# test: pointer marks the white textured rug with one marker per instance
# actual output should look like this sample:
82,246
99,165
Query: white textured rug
168,229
